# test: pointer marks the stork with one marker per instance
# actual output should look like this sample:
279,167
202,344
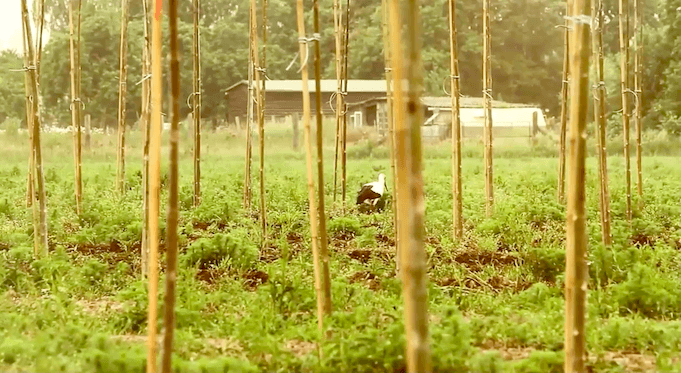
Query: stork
372,192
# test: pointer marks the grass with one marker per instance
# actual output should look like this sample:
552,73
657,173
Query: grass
496,297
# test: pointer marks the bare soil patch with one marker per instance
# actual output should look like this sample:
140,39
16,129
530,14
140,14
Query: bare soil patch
254,278
371,280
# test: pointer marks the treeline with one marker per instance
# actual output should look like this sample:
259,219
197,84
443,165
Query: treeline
526,48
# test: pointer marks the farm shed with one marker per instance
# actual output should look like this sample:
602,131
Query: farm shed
508,119
284,97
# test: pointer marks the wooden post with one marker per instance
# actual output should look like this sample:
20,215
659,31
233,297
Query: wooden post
122,91
625,91
599,118
154,181
40,216
196,103
173,211
76,103
391,123
638,92
457,186
576,274
294,123
146,128
408,120
324,253
487,94
564,107
319,283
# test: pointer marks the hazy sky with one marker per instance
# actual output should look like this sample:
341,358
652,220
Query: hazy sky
10,25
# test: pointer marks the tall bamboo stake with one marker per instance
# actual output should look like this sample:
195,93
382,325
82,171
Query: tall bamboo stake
638,91
457,187
599,118
39,47
261,121
487,94
196,102
625,90
154,181
30,189
389,113
76,105
314,231
260,114
251,97
324,252
339,99
576,253
122,90
344,124
173,212
33,93
408,119
146,124
564,107
30,180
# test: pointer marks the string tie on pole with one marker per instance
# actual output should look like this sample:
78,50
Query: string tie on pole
24,69
581,19
148,76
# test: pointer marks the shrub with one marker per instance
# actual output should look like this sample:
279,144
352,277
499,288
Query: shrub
234,247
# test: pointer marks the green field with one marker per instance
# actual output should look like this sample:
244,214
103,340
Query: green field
496,297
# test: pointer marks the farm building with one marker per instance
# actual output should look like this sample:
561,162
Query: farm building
284,97
509,120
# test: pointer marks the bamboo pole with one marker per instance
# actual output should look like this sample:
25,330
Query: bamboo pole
122,91
457,187
33,93
249,115
389,113
261,122
173,211
339,99
408,119
564,107
344,124
576,250
154,182
197,101
30,189
314,229
487,94
146,125
324,253
599,117
76,103
260,114
625,90
638,92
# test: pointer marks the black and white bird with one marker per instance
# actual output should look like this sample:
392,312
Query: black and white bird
372,192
